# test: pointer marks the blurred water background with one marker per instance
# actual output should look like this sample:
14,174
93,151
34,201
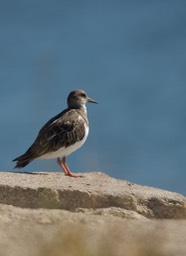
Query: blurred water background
128,55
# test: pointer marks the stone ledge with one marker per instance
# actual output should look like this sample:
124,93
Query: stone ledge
95,192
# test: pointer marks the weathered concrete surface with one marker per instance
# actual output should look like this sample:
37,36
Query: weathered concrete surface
46,232
94,193
44,214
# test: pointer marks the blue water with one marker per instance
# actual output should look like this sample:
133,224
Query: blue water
128,55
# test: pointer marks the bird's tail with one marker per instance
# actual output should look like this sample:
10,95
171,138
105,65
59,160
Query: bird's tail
23,160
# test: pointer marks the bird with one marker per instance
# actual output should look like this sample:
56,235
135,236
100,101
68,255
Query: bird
62,134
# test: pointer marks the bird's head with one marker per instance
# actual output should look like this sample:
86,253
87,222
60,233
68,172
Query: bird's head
78,99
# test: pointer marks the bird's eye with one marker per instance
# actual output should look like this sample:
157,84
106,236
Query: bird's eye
83,95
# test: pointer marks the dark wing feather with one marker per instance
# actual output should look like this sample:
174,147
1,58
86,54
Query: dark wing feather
61,131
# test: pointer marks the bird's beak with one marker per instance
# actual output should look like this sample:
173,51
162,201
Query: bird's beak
91,100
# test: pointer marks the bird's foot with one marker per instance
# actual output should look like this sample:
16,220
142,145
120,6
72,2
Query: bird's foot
74,175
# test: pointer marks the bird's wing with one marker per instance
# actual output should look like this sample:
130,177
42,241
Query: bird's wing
61,131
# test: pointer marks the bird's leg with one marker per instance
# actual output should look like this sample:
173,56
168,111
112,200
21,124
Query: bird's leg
69,173
61,165
66,169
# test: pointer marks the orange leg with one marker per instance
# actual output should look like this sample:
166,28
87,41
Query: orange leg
62,163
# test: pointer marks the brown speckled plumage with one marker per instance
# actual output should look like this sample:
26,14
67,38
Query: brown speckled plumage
62,131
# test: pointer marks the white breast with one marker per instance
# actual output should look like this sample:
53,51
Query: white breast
63,152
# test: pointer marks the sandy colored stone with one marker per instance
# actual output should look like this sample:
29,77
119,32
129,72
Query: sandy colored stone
95,192
46,232
44,214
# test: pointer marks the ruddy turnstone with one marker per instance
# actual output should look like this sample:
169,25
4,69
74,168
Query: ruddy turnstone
61,135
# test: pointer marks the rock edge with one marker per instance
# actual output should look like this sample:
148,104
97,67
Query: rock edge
95,193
